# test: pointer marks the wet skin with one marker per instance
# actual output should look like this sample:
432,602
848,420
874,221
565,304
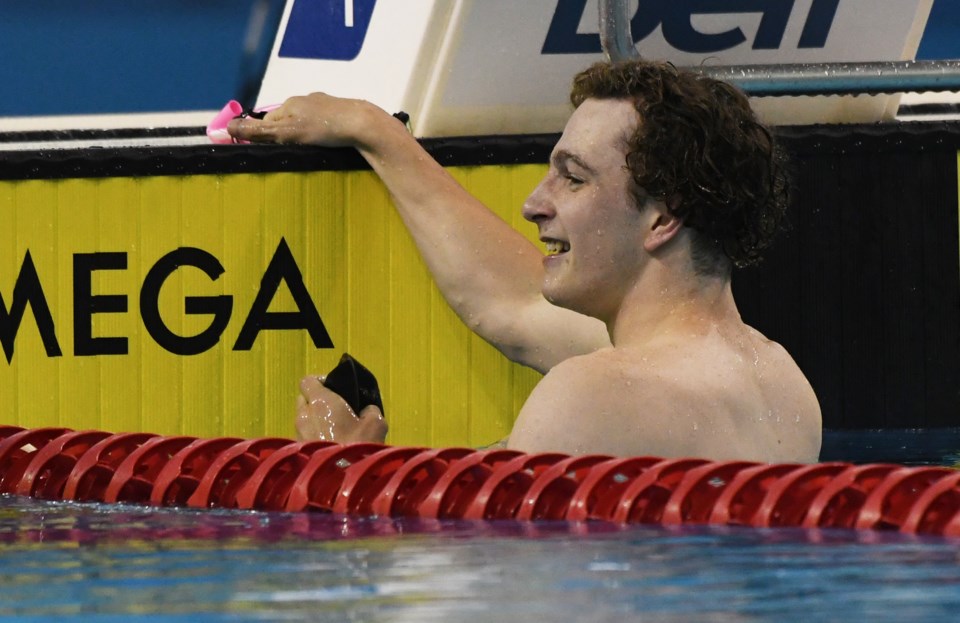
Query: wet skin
641,354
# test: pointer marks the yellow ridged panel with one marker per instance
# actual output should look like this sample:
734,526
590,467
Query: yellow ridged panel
202,222
161,372
9,266
506,189
243,372
411,367
74,227
118,230
442,384
38,383
323,200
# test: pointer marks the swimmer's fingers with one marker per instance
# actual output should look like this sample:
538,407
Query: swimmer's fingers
253,130
373,426
324,415
272,128
312,387
315,119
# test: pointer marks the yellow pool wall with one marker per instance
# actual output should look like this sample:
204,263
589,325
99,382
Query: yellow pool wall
442,385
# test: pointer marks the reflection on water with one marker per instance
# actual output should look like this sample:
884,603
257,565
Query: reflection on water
922,446
109,562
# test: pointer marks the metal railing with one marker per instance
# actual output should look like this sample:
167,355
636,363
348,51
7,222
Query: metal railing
871,78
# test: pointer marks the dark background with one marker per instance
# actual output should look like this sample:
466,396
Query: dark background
864,288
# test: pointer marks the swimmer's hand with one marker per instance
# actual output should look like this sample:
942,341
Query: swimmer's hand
322,415
315,119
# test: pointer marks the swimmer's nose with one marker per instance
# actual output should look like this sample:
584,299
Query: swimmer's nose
538,206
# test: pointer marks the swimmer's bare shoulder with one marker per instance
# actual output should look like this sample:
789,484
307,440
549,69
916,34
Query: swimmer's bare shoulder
593,404
700,400
789,399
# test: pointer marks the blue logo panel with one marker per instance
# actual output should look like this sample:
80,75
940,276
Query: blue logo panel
332,30
675,18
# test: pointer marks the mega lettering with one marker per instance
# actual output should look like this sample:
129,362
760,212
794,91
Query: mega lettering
217,306
675,18
27,291
86,304
282,269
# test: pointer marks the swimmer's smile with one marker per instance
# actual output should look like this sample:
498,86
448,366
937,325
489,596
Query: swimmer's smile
555,247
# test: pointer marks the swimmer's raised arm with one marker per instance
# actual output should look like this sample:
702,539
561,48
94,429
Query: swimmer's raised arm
487,271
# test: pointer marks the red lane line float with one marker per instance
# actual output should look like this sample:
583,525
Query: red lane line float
644,499
933,510
788,499
601,488
90,476
503,491
839,501
374,479
695,497
135,477
456,488
317,486
232,469
739,501
46,474
549,496
269,486
413,481
17,450
181,475
6,431
889,503
365,480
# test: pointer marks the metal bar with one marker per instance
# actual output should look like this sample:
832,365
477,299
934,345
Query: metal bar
873,78
840,78
616,39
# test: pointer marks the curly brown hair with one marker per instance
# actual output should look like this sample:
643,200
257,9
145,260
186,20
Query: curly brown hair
700,149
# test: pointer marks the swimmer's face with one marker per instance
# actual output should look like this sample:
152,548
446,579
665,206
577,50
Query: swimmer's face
587,216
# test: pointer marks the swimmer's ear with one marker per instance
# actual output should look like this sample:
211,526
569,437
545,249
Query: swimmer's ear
664,225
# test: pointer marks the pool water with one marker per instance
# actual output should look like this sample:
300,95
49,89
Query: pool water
112,563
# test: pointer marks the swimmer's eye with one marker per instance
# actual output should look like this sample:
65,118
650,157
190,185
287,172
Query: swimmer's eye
573,180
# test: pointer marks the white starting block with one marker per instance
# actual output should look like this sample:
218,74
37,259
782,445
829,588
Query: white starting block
479,67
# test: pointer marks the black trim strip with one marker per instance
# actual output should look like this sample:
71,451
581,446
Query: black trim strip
95,162
933,108
51,136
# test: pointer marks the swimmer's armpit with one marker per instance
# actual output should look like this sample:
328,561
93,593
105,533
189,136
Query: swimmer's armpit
496,445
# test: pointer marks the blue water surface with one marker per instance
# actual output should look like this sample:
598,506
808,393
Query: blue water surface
113,563
96,562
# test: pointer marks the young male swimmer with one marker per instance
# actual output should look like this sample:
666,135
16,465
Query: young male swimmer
661,182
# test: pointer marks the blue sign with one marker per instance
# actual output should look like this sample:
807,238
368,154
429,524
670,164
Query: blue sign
331,30
674,17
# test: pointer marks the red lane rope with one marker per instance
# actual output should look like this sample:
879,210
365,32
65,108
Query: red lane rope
460,483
